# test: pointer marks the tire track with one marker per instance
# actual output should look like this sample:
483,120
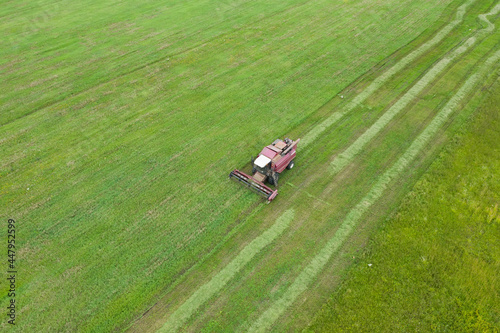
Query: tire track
344,158
209,289
301,283
382,79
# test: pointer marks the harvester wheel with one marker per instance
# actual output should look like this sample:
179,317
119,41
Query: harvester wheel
290,165
273,179
254,171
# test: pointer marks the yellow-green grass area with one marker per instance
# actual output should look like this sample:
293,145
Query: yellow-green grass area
435,264
280,286
121,121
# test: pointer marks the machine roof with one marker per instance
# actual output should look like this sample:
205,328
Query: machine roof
268,152
262,161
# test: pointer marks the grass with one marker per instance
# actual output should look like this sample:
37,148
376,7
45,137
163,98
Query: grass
382,79
217,283
352,219
434,265
269,272
124,121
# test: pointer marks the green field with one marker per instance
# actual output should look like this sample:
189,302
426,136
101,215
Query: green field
447,228
121,121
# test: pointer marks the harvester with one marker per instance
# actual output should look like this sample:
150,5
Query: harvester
268,165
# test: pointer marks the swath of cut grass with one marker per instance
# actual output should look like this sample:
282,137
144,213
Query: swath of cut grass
200,296
382,79
344,158
267,319
435,262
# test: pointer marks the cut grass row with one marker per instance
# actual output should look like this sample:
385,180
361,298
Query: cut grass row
380,150
434,265
344,158
298,285
317,264
207,291
382,79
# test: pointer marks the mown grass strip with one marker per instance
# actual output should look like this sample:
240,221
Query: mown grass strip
344,158
447,278
205,292
382,79
483,17
319,261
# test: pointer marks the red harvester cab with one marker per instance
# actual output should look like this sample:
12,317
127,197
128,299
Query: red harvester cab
271,161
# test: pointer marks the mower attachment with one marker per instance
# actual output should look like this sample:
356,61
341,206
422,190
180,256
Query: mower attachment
254,184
